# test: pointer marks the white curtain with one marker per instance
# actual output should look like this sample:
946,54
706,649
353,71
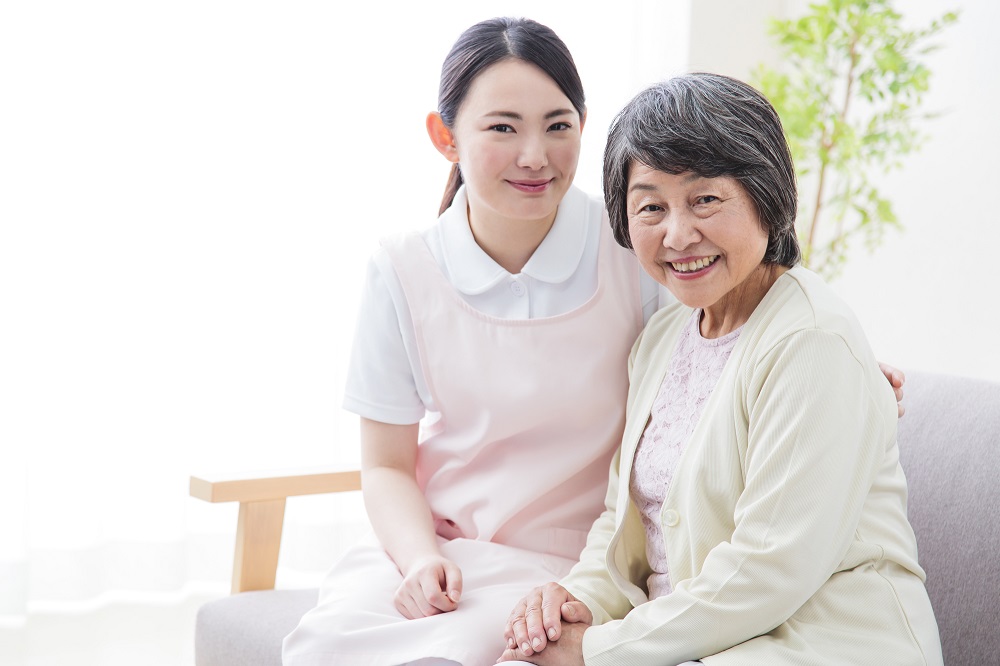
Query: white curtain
189,191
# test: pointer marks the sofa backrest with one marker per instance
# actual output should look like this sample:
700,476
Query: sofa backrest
949,444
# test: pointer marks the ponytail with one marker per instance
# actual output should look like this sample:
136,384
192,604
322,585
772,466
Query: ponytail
454,182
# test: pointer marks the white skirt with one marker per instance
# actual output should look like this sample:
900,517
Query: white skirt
356,622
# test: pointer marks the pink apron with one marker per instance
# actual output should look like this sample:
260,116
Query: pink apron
515,469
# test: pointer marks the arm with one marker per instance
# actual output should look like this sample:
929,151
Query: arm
812,451
402,520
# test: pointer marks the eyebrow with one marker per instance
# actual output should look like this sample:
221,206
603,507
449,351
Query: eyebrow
518,116
641,187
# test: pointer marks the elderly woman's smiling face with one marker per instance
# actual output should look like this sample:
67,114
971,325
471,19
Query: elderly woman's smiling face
699,237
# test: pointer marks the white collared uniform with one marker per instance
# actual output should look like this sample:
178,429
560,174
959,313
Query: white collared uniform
385,382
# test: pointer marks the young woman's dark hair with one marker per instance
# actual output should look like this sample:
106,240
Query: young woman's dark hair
487,43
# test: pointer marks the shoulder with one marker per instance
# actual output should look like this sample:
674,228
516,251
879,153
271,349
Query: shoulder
657,339
803,330
801,304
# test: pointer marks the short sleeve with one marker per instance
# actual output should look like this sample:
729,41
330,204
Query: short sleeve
380,376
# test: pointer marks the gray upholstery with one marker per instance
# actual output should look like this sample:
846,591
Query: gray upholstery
949,441
247,629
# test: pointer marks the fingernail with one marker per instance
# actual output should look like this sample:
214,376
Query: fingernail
525,648
552,633
454,594
535,643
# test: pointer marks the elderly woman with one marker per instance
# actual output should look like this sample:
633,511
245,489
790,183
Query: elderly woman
756,512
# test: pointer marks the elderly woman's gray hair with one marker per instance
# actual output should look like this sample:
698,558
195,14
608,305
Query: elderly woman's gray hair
713,126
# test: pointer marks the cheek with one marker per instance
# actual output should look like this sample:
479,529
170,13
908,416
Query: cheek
567,154
478,162
645,241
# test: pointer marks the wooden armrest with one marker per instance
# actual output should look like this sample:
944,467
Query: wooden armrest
262,512
274,486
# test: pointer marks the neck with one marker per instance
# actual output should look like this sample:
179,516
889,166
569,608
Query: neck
510,243
734,309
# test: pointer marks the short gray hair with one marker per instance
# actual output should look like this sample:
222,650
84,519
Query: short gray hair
711,125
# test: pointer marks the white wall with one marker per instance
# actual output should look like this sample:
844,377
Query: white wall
927,297
189,192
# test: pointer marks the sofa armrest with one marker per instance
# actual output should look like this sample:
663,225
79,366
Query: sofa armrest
262,513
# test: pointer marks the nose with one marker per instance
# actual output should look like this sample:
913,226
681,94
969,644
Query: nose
533,154
681,231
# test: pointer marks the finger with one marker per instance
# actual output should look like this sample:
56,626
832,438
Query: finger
533,622
452,581
405,606
432,592
553,597
576,611
516,614
411,594
522,637
895,377
900,410
511,655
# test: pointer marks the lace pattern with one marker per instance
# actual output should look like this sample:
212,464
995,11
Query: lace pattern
692,375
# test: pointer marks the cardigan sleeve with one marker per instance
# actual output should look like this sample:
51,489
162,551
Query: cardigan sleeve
590,579
816,433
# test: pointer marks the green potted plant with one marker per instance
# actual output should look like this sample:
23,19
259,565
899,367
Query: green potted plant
849,92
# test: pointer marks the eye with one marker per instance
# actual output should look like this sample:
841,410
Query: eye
502,128
651,208
560,126
707,199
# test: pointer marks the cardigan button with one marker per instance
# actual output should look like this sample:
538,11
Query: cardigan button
671,518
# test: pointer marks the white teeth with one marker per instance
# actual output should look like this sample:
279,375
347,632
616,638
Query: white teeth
694,265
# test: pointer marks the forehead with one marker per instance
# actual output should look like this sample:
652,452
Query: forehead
517,86
642,177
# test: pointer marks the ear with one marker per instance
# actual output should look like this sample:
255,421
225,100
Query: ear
583,120
441,136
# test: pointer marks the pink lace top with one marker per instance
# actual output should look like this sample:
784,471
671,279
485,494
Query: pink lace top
693,372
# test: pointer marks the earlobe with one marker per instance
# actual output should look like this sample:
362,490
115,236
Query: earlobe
441,136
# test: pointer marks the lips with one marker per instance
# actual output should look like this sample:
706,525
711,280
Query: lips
531,186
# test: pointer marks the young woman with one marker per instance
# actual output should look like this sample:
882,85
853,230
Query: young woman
497,338
489,371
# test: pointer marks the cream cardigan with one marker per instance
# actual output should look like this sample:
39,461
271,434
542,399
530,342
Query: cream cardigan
785,524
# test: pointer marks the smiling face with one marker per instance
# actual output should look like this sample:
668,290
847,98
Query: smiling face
699,237
517,141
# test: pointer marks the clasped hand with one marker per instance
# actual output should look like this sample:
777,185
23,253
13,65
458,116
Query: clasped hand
432,585
549,618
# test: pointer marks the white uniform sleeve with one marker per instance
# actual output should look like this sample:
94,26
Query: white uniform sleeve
380,377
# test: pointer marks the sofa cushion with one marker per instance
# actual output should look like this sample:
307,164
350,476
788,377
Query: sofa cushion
949,443
246,629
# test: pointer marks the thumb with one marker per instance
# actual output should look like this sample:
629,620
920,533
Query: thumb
576,611
452,581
